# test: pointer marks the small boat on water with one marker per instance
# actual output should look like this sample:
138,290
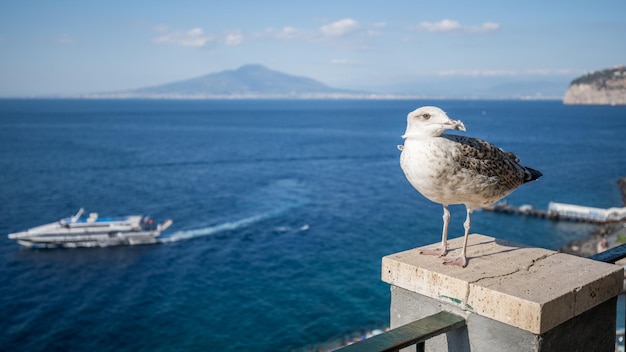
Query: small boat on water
92,231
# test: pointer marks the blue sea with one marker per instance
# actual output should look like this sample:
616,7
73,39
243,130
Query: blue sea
282,211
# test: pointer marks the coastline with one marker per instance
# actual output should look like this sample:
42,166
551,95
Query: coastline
606,236
611,233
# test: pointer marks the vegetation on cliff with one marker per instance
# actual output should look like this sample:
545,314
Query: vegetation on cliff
604,87
603,77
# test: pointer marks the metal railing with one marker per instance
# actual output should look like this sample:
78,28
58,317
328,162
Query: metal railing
417,332
414,333
611,255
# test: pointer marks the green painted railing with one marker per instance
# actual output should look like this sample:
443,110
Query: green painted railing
414,333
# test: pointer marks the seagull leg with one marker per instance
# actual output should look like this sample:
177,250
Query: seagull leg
443,249
461,259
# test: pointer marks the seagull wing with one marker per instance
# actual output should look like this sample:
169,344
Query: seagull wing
483,159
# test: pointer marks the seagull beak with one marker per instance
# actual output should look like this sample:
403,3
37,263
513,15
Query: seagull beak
457,125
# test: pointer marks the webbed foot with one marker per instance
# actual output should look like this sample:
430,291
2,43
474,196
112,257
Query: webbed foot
438,251
459,260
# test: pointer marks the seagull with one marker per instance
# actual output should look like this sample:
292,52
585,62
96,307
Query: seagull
453,169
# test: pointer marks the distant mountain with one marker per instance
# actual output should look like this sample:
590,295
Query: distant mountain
604,87
260,82
249,81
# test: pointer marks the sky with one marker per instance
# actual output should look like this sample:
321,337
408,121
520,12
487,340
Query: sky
73,47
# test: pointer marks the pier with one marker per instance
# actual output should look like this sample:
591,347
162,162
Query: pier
563,211
568,212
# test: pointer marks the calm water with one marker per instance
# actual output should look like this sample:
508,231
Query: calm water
282,211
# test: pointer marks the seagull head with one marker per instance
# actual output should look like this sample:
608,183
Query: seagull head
430,121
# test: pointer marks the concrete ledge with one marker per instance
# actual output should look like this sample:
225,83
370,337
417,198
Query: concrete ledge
529,288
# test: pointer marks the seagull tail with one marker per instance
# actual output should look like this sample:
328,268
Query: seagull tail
531,174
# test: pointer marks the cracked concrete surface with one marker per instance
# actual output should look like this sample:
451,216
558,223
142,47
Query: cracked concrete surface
530,288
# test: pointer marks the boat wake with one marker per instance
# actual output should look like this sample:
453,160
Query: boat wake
212,230
267,202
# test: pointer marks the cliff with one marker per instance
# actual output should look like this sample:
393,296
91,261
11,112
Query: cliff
605,87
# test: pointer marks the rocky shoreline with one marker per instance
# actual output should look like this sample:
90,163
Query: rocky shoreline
606,236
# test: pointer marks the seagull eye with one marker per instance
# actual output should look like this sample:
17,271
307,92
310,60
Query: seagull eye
426,116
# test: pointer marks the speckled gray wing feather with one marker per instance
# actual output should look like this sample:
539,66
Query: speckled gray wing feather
486,160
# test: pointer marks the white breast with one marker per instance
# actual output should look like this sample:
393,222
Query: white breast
431,167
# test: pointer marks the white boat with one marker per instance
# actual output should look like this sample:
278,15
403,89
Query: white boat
92,231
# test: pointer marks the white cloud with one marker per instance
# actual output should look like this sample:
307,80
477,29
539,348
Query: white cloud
452,26
196,32
339,28
197,37
441,26
485,27
234,39
328,31
376,29
194,38
288,33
